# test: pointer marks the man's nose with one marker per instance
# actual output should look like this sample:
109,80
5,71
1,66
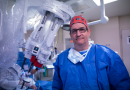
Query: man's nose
78,33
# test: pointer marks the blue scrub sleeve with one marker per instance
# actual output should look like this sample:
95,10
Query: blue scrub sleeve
57,83
118,75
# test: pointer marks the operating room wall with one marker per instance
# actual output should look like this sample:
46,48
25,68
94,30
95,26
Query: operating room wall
124,22
110,33
107,34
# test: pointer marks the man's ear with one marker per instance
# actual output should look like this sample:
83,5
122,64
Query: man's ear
89,32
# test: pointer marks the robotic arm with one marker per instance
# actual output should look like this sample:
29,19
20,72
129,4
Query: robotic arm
38,45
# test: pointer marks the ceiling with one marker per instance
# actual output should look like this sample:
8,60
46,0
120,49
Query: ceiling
91,11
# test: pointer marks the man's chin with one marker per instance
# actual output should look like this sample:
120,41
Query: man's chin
79,43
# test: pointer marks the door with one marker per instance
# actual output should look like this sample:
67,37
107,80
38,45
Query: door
126,48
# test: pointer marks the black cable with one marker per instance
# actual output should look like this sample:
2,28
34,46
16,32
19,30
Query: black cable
30,67
23,63
22,84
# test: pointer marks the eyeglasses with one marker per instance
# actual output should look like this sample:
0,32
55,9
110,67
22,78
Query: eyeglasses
81,30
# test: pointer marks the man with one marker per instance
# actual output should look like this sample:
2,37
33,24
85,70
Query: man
88,66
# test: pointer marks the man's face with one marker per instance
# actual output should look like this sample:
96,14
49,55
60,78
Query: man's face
79,34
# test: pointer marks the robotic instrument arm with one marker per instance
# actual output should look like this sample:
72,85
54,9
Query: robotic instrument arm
38,45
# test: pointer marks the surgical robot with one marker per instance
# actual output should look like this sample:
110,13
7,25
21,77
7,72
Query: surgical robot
38,45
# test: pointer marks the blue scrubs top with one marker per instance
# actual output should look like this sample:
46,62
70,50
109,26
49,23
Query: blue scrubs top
102,69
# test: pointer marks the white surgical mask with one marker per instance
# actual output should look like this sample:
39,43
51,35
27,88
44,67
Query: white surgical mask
75,57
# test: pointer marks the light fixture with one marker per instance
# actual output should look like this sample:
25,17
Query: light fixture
105,1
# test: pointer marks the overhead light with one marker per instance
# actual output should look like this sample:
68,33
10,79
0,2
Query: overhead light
105,1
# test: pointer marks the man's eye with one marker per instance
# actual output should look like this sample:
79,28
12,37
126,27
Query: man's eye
74,31
81,29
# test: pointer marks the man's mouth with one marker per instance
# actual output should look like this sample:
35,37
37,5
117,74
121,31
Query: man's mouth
79,38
